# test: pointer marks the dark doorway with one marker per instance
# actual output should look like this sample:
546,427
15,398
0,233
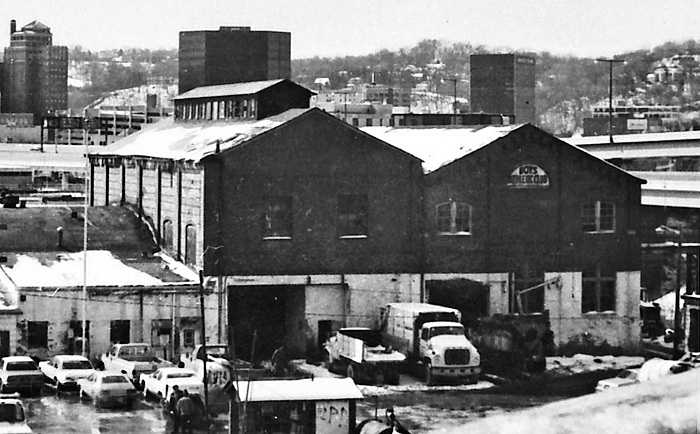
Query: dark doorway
4,343
694,330
468,296
270,316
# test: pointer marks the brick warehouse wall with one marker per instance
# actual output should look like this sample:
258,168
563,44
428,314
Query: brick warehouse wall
313,159
542,227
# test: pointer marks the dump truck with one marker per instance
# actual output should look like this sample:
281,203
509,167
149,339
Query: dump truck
360,354
433,340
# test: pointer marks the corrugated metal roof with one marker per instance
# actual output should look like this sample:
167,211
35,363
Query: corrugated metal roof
437,147
249,88
192,141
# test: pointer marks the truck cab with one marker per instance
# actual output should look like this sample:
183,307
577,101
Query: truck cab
446,352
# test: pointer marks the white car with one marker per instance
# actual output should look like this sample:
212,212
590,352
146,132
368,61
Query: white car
161,382
65,371
13,418
624,378
106,388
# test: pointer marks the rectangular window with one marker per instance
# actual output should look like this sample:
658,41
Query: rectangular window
37,334
453,218
369,122
277,220
190,245
352,215
188,338
598,217
120,331
598,291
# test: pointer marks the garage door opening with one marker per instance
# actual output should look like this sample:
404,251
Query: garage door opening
468,296
268,316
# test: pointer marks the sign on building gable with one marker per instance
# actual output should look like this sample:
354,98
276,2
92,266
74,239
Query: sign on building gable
528,176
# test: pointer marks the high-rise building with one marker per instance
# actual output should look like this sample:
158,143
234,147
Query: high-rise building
35,72
504,84
232,55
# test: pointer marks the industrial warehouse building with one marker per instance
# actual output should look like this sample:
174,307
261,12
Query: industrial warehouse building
306,223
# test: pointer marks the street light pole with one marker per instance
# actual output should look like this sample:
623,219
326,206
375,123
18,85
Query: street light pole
610,92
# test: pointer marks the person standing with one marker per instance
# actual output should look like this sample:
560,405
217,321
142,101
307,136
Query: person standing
172,408
187,410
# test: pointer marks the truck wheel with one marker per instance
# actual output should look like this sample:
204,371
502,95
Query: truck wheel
429,380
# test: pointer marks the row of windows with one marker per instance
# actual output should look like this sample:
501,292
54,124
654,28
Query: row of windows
455,218
216,110
351,219
119,333
451,218
168,241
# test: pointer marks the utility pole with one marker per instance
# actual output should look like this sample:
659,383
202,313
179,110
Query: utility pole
610,94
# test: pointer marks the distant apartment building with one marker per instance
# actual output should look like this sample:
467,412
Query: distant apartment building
232,55
35,72
504,84
630,119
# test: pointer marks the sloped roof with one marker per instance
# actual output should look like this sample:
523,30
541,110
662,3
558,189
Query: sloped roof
304,389
36,26
248,88
437,147
34,229
64,269
440,146
192,141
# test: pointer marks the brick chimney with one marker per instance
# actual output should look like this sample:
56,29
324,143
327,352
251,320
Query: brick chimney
13,26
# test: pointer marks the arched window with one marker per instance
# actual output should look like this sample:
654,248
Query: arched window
190,245
167,235
453,218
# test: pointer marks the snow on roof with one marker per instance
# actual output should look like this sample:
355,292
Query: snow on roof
306,389
192,141
422,307
62,270
218,90
438,147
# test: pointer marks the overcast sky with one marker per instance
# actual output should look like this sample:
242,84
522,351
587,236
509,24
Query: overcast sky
583,28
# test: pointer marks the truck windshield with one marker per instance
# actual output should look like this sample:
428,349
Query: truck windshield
446,330
217,351
11,412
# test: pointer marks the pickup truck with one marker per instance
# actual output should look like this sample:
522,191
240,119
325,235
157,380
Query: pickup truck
359,353
20,374
132,360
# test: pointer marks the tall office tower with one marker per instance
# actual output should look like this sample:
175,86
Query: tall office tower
232,55
504,84
35,72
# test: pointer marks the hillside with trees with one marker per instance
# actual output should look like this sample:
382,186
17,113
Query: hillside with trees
566,87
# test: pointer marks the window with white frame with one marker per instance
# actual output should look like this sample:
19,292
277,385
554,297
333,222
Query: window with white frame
598,290
598,216
453,218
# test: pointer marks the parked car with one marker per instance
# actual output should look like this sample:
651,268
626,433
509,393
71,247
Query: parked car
625,378
106,388
64,371
13,418
161,382
20,374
